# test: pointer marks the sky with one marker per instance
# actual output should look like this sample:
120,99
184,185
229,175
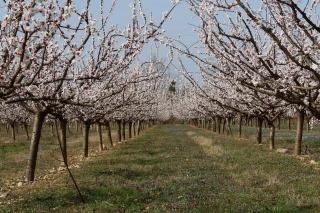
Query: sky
181,23
181,16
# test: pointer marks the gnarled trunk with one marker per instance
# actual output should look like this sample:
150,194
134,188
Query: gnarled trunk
34,146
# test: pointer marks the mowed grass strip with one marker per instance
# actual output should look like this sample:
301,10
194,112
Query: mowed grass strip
178,168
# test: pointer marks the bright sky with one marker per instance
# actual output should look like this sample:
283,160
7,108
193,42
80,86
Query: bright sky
181,16
181,22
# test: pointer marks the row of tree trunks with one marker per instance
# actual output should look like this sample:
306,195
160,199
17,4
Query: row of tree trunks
218,122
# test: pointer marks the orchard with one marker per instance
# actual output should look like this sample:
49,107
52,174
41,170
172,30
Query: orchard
66,67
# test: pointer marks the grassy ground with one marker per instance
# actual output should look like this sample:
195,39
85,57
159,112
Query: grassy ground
174,168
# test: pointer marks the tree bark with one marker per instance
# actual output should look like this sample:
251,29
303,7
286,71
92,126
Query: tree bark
86,138
34,146
134,128
223,124
219,124
259,130
298,141
63,139
52,128
100,137
289,123
139,127
109,133
308,124
123,133
130,129
214,126
228,121
272,135
25,125
119,130
239,125
68,127
13,131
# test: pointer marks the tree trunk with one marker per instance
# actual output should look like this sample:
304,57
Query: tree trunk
308,124
123,130
272,135
134,128
259,130
13,131
219,125
239,125
34,146
139,127
228,121
52,128
223,124
289,123
100,137
63,139
130,129
279,123
298,142
109,133
119,130
68,126
25,125
214,126
86,138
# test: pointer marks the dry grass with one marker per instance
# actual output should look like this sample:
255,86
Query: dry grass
206,143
